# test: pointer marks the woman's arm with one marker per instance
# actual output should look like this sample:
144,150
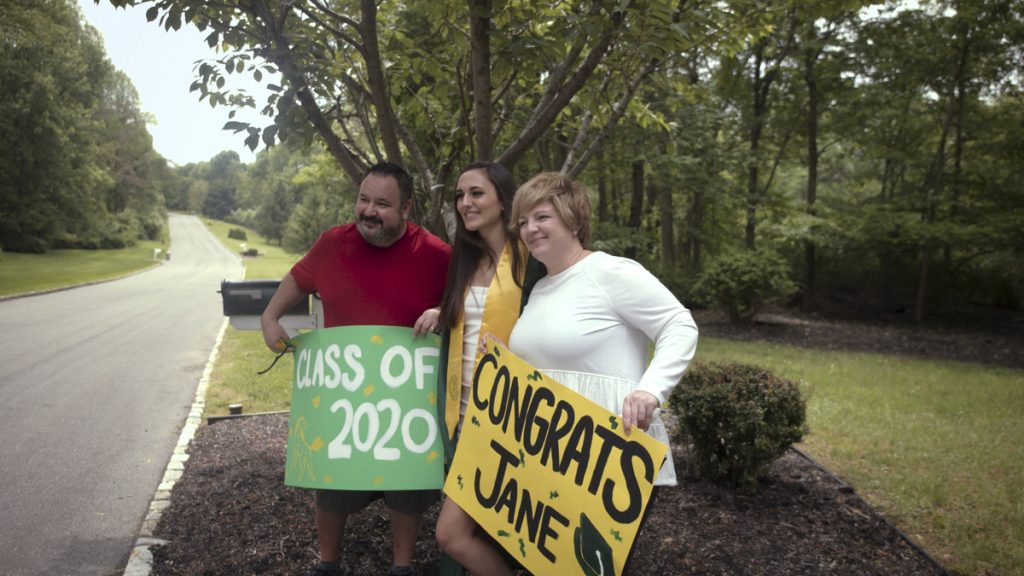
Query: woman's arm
643,302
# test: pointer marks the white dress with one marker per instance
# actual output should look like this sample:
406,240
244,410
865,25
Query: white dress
472,319
590,326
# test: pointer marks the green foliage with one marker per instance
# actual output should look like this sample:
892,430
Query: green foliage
739,419
243,217
77,166
677,280
615,238
151,224
237,234
743,282
268,191
309,220
327,200
27,243
222,175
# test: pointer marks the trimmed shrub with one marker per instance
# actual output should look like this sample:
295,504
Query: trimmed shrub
151,224
738,419
245,217
237,234
26,244
744,282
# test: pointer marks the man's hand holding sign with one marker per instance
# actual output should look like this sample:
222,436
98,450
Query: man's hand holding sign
551,475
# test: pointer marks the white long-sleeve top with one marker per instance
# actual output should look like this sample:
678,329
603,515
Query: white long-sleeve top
599,316
589,328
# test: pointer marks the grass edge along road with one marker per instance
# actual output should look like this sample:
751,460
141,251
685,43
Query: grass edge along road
23,274
243,353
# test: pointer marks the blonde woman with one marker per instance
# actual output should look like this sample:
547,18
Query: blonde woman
590,322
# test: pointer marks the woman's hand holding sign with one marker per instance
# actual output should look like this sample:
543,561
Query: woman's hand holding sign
637,409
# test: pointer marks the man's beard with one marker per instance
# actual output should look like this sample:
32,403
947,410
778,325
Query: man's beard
380,235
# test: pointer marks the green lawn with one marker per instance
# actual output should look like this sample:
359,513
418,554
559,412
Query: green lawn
938,447
243,354
25,273
272,262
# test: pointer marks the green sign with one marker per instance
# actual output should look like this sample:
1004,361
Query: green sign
364,410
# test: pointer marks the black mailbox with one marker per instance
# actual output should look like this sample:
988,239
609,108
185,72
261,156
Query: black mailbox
250,298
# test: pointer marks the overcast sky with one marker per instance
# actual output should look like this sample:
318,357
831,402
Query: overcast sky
160,65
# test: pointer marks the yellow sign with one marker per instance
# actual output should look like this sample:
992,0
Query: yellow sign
550,474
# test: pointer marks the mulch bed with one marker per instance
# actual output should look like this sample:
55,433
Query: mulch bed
232,515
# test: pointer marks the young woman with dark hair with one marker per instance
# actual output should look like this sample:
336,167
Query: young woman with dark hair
484,296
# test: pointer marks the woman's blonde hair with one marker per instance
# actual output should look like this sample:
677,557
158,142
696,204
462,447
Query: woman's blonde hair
567,196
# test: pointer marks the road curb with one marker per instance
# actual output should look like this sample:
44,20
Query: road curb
140,562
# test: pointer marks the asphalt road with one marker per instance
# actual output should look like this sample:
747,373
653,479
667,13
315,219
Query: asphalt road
95,384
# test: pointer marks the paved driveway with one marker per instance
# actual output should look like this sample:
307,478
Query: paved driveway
95,383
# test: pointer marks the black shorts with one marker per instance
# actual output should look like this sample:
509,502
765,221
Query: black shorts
345,502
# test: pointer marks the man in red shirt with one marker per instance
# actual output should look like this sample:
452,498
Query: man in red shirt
379,270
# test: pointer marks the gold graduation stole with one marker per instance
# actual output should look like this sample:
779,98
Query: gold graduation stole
501,310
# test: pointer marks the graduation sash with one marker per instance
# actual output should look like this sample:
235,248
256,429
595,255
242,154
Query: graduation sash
501,310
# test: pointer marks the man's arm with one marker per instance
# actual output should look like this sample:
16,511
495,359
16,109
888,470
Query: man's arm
287,295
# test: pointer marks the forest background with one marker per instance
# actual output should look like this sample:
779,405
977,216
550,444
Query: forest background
814,152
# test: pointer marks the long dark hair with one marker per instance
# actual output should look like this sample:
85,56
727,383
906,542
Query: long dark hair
470,249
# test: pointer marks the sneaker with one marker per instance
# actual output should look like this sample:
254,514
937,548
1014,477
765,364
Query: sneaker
401,571
321,570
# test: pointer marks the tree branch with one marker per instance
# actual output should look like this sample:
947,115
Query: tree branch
336,32
618,111
335,15
378,82
291,73
535,129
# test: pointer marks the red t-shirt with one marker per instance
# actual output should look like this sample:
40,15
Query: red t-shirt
363,284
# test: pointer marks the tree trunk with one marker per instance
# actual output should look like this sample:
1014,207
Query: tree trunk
480,43
543,153
696,230
935,182
668,246
378,82
636,206
810,59
760,97
602,192
932,190
921,302
958,155
562,88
